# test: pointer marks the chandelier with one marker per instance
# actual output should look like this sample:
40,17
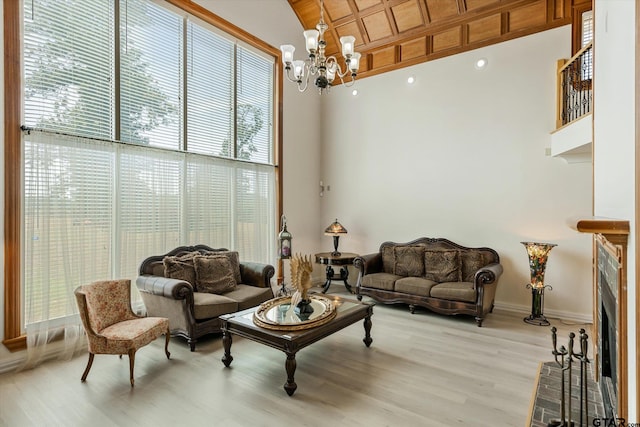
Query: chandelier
323,69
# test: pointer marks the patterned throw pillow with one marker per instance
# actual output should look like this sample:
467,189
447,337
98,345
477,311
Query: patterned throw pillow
214,274
442,265
471,262
234,259
180,267
409,260
388,260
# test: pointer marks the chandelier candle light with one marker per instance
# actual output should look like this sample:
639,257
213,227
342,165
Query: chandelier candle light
538,253
324,69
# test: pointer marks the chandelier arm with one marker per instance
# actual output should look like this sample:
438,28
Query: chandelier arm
288,75
302,88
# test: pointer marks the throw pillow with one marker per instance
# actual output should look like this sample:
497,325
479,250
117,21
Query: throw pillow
234,259
388,260
442,265
409,260
214,274
180,267
471,261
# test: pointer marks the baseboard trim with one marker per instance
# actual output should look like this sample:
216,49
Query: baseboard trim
11,365
565,316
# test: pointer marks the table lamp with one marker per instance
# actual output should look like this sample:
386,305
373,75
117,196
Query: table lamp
335,229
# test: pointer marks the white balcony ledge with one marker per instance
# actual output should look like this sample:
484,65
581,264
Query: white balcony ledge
573,141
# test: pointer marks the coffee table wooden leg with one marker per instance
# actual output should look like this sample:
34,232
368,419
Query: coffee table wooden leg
290,365
367,331
226,342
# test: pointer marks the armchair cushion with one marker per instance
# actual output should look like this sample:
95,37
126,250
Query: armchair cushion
249,296
415,286
454,291
383,281
442,265
207,305
213,274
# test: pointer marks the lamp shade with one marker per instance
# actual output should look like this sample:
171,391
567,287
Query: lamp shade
354,62
287,53
335,229
538,253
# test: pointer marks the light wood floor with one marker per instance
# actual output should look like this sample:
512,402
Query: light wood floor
422,370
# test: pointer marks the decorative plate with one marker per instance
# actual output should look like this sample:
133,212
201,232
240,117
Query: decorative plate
278,314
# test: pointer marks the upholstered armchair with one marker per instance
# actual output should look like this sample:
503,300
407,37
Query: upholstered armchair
111,325
191,285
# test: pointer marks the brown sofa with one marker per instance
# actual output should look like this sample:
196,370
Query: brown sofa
433,273
193,312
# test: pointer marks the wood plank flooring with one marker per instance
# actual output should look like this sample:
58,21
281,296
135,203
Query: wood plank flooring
423,370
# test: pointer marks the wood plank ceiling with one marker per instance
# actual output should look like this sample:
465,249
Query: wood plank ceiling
392,34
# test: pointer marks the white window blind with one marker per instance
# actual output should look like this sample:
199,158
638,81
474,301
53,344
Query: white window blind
210,79
150,74
68,66
95,207
255,107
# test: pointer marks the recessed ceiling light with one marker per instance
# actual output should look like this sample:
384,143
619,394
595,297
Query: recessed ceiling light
354,92
411,80
482,63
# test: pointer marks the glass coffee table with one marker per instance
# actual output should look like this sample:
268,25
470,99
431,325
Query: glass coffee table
262,324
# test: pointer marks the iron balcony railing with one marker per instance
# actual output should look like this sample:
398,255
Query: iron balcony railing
575,86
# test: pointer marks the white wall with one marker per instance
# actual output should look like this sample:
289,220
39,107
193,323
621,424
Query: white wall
614,142
460,154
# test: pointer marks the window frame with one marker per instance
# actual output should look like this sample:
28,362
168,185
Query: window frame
14,338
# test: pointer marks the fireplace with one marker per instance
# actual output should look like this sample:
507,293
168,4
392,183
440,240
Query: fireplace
608,346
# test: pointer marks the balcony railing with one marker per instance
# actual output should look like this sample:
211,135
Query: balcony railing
575,86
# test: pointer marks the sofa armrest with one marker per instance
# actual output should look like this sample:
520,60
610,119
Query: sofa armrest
368,264
256,274
488,274
165,287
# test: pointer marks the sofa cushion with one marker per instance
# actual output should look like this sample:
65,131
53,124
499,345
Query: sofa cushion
213,274
454,291
180,267
415,286
207,306
470,262
383,281
409,260
442,265
389,259
249,296
234,259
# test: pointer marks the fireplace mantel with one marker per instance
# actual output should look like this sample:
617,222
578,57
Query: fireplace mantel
601,225
611,235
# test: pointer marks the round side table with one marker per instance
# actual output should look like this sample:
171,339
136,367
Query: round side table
343,260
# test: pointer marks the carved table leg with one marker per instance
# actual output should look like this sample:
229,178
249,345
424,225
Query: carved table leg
290,365
226,342
367,331
344,275
327,283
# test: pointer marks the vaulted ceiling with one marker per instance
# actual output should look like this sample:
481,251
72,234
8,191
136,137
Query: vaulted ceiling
392,34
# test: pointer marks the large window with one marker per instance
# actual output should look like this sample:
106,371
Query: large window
145,128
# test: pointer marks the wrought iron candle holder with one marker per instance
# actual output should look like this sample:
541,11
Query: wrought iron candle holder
538,253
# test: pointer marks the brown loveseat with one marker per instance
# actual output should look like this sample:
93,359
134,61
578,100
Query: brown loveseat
171,288
433,273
